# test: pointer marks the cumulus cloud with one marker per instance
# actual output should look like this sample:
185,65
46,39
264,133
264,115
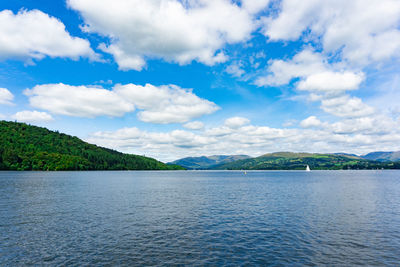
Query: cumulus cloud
314,71
194,125
32,116
33,34
372,125
163,104
78,101
303,64
176,31
362,31
331,81
310,122
376,124
346,106
254,6
150,141
236,122
6,97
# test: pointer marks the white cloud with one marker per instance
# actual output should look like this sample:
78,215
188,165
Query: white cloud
255,6
6,97
176,31
79,101
236,122
291,20
372,125
375,124
303,64
314,71
219,131
32,116
310,122
194,125
331,81
364,31
235,69
148,142
163,104
346,106
33,34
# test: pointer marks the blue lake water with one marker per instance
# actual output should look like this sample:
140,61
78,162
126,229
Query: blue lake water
200,218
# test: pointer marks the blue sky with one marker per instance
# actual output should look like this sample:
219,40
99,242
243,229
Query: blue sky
173,78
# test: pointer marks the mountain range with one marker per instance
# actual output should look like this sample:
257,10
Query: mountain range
293,161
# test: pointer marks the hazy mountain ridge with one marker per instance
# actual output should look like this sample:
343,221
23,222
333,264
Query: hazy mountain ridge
383,156
26,147
207,162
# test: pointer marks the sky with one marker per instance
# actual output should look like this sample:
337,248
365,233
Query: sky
176,78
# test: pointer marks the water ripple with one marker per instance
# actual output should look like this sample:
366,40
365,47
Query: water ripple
200,218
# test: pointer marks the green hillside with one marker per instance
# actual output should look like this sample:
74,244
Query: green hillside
26,147
299,161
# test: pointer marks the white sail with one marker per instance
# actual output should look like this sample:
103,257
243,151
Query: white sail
308,168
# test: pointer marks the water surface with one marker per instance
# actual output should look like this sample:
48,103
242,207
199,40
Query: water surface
200,218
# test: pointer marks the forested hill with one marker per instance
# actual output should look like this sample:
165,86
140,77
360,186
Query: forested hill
26,147
299,161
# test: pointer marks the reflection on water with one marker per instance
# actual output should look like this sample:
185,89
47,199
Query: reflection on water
200,218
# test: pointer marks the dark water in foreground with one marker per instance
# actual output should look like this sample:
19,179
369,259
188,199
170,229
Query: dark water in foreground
200,218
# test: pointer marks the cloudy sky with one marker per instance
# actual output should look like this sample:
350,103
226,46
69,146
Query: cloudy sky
175,78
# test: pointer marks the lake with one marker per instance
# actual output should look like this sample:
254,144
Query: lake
214,218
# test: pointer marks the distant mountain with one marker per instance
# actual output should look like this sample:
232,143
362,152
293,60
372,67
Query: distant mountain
346,154
26,147
383,156
206,162
299,161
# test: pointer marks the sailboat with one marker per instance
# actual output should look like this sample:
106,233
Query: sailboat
307,168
